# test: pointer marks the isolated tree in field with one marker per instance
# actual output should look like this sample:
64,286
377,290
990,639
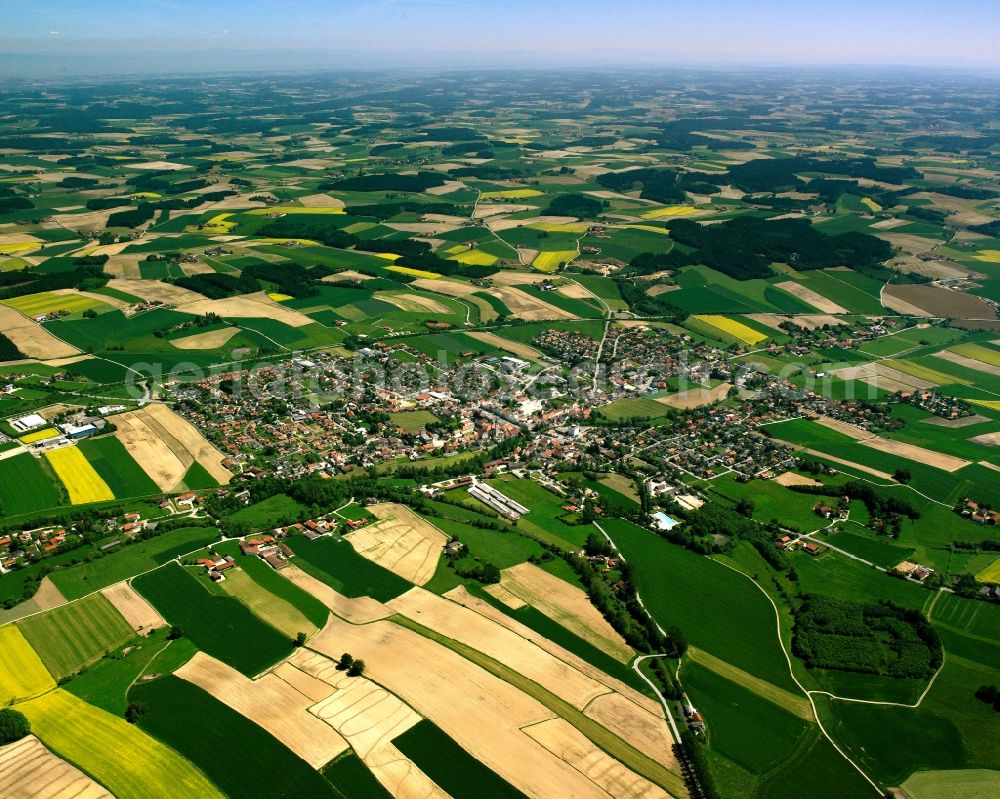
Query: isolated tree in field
175,633
357,669
745,507
300,639
13,726
346,661
135,711
676,642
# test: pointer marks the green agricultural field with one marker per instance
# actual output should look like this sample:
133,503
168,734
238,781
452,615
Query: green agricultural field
545,517
771,501
25,486
820,773
733,620
339,566
353,778
840,577
967,783
105,684
117,468
413,421
920,739
453,769
634,408
131,559
743,727
73,636
219,625
216,739
307,607
197,477
271,512
281,615
115,753
876,550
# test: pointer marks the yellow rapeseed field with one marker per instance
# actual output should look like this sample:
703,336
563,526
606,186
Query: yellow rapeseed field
510,194
549,261
22,674
872,206
736,329
39,435
670,210
405,270
474,258
81,481
119,755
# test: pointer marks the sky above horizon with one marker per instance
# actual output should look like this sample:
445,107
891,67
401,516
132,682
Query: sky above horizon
961,33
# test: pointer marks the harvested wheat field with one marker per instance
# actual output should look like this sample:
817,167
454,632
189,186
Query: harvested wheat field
361,610
811,321
987,439
400,776
321,201
817,301
963,421
141,616
696,397
464,625
514,347
646,731
842,461
512,278
30,771
567,605
443,285
270,702
401,542
205,341
847,429
481,712
793,479
525,306
364,713
571,746
124,266
31,338
881,376
155,291
461,596
165,445
412,302
248,306
349,274
497,591
928,457
937,301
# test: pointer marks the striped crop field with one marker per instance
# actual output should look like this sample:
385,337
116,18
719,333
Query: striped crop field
49,301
